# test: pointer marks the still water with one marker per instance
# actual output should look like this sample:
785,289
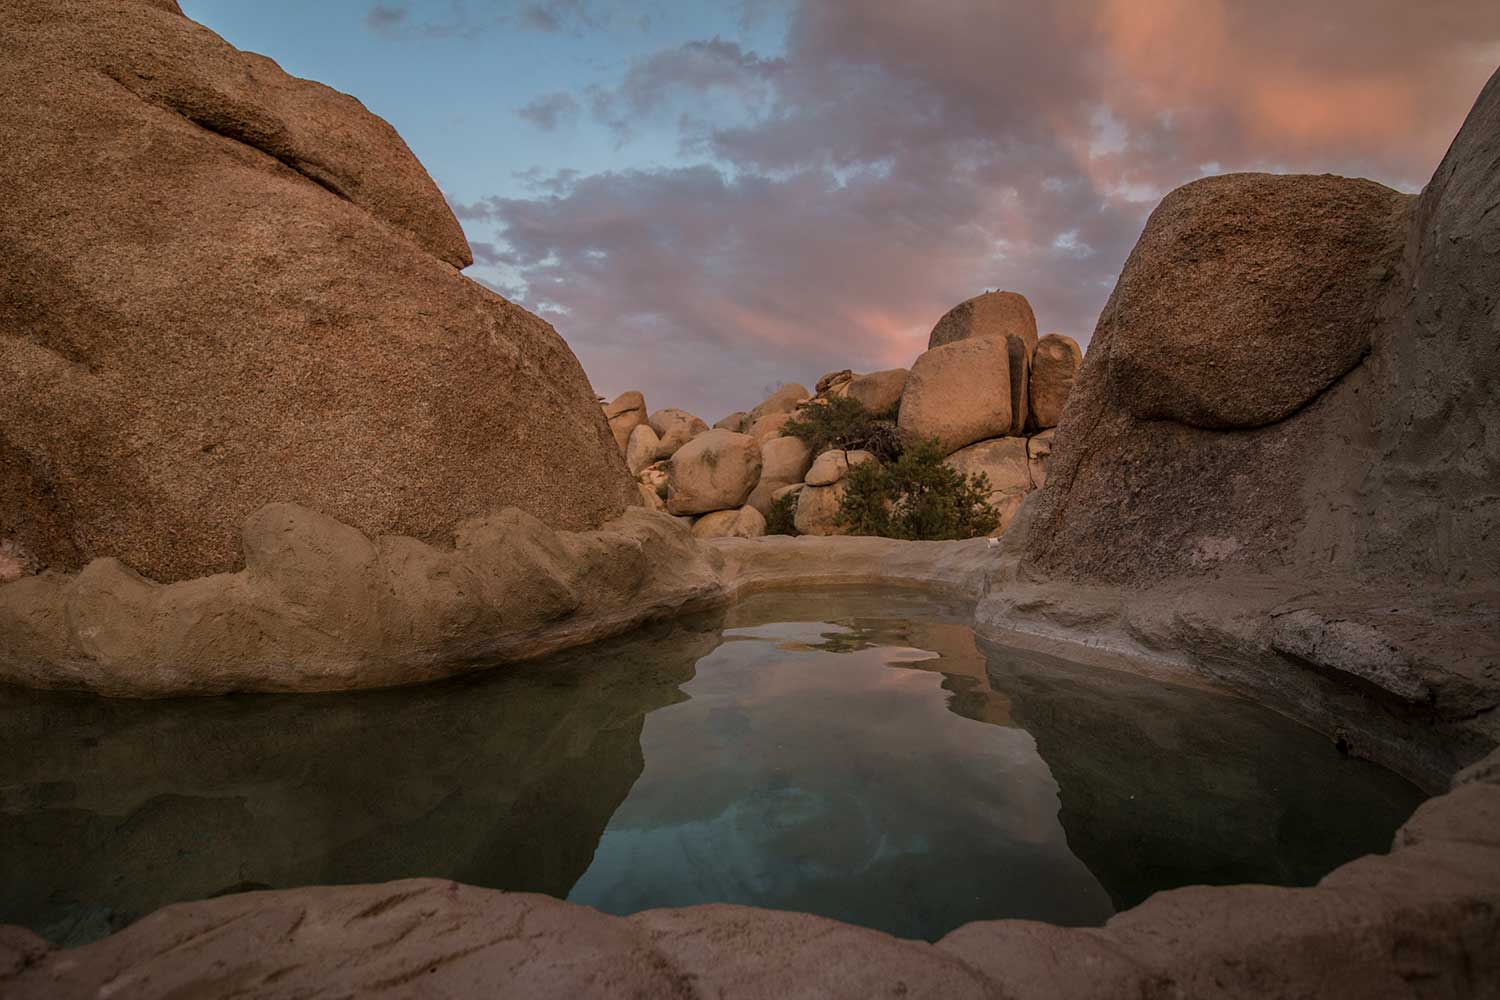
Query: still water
856,754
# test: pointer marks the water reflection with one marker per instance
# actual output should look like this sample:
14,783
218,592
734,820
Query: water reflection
859,757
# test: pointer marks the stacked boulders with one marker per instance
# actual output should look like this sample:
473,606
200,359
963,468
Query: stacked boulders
988,390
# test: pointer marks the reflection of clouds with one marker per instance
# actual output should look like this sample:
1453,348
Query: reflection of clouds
792,765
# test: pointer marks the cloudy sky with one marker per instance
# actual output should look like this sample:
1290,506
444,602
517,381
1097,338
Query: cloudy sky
708,199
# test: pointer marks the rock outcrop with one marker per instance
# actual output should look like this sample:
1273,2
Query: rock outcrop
1308,510
223,287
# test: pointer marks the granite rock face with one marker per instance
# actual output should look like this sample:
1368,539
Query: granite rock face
224,286
1054,367
959,393
1309,512
1249,294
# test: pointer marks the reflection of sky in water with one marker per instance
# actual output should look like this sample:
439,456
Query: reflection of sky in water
838,783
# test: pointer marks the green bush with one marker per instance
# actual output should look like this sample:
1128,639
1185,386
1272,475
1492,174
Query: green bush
841,422
781,519
917,497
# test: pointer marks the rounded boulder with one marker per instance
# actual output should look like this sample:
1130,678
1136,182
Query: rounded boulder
716,470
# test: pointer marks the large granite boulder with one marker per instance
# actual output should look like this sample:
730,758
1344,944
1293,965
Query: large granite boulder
958,394
1249,294
747,522
1054,366
818,509
784,460
642,449
1005,316
714,471
223,286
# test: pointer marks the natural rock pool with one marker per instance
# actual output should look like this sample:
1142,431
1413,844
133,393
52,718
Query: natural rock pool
856,754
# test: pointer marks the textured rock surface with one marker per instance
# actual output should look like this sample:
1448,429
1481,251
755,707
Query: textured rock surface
625,413
321,607
1054,366
1339,563
783,400
1248,294
877,391
959,394
1039,454
734,422
1004,461
747,522
818,509
641,450
1429,913
674,428
714,471
784,460
1005,316
769,426
224,286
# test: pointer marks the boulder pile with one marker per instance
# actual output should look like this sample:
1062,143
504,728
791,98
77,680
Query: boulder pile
988,390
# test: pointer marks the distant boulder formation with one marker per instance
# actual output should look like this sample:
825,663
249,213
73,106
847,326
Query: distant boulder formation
224,286
959,393
1004,316
1054,366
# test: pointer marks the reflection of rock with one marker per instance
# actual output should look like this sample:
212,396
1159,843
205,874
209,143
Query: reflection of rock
1165,785
505,782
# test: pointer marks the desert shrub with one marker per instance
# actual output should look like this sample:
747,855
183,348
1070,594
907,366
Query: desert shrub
841,422
916,497
781,519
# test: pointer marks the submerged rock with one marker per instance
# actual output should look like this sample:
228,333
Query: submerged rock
225,286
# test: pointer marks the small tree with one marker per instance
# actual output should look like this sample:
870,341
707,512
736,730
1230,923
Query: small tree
916,497
781,519
841,422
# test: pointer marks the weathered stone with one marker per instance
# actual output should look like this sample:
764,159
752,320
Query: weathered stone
1351,648
714,471
769,426
747,522
650,499
675,428
784,460
1004,316
878,391
273,311
642,449
1054,366
828,469
734,422
818,508
783,400
1248,295
782,491
833,380
320,606
1039,456
625,414
958,394
1004,461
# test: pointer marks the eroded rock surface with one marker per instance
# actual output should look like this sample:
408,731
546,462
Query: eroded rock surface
1005,316
959,393
224,286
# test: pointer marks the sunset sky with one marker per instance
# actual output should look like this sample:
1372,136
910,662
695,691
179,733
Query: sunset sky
709,199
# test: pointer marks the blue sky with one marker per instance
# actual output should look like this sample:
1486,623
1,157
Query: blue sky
708,199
